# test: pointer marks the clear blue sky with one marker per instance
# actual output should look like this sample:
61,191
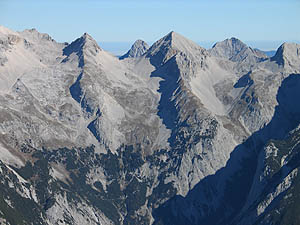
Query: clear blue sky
128,20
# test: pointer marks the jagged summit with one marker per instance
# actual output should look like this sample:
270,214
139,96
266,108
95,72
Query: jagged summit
34,35
287,54
87,37
89,41
172,43
234,50
32,30
228,48
172,35
85,41
176,41
138,48
84,44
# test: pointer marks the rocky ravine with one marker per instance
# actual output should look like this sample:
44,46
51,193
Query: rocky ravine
171,134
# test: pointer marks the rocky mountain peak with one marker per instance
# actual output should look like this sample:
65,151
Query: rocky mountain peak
34,35
138,48
87,41
287,54
85,45
179,42
233,44
171,44
172,36
233,41
84,42
86,37
234,50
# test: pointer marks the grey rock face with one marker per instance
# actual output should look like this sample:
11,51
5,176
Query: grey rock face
176,135
138,48
236,51
288,54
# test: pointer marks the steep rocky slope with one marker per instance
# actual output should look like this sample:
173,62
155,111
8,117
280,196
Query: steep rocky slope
171,134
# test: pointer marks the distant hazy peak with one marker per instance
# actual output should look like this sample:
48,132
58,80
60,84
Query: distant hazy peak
138,48
233,41
234,50
140,42
229,48
287,53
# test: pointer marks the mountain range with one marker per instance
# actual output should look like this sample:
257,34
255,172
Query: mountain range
168,134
